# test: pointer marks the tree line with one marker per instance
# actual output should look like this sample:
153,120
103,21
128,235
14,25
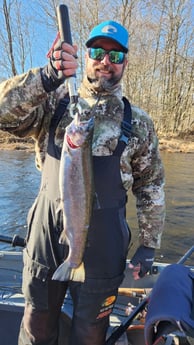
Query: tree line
160,71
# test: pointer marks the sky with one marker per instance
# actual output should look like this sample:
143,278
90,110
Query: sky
37,33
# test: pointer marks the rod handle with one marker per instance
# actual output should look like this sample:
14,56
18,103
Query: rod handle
64,23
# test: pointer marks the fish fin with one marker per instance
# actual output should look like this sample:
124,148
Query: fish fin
63,272
78,273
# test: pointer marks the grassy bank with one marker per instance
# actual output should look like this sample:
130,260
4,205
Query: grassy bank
170,144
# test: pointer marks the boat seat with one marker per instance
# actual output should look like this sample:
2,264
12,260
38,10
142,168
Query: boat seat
171,306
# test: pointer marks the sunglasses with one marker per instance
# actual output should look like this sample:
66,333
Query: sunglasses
99,54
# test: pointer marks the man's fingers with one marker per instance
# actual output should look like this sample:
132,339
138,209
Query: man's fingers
72,50
135,271
62,55
143,271
57,55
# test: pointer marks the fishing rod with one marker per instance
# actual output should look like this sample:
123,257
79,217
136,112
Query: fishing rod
124,326
65,35
14,241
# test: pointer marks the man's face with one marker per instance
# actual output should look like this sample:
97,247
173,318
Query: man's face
104,74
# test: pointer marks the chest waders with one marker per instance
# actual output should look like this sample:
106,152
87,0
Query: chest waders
106,250
108,238
105,253
43,296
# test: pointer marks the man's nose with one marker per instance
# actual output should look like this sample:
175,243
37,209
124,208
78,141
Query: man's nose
106,60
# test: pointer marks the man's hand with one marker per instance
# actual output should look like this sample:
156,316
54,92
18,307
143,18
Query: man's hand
62,64
142,261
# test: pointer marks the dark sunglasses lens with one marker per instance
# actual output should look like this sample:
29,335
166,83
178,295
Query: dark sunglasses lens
97,53
116,57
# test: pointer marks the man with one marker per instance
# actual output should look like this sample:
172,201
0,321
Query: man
125,155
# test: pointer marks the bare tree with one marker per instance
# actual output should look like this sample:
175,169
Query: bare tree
176,68
9,46
159,74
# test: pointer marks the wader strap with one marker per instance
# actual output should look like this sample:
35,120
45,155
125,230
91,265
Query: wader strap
125,129
63,103
54,150
192,309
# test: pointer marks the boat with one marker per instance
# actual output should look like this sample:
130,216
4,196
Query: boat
126,322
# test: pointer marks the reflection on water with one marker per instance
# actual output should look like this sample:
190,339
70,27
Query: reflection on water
178,235
19,183
180,196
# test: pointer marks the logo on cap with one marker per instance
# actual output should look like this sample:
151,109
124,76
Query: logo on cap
109,29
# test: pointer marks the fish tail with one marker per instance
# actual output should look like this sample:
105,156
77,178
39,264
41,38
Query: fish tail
78,273
63,272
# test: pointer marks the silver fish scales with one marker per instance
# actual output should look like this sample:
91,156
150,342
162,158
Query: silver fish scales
76,189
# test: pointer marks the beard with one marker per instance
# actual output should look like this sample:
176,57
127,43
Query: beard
102,83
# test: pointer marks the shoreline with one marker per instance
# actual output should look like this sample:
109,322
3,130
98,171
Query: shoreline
171,145
176,145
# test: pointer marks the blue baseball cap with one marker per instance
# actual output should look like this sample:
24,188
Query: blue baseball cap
111,30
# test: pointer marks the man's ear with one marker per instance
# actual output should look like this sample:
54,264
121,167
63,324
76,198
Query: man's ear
125,62
86,55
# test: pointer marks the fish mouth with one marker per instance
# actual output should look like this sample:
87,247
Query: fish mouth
79,131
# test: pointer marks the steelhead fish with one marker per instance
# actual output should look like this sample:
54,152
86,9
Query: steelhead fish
76,189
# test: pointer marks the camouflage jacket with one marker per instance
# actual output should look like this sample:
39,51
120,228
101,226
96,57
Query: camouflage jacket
26,111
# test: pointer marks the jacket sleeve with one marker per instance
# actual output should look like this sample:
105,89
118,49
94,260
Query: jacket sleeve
148,186
22,104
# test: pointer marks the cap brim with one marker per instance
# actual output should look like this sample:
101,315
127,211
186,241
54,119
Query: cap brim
92,40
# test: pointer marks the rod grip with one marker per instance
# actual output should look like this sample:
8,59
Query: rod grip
14,241
64,23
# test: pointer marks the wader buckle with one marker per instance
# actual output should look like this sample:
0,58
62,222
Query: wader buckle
126,132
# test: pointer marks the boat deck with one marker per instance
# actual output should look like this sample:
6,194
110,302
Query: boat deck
12,303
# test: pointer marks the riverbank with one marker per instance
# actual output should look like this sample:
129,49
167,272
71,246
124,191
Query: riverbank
175,145
169,144
10,142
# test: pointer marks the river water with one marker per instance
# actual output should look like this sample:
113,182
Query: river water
19,184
